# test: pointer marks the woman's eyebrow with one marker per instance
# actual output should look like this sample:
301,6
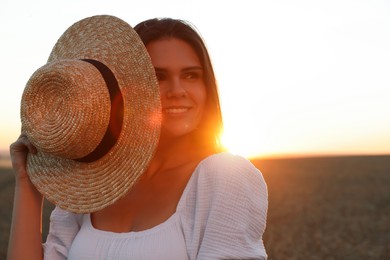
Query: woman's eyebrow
193,68
158,69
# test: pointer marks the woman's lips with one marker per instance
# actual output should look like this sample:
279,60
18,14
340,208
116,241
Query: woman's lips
176,110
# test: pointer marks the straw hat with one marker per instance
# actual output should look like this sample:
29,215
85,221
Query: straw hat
93,112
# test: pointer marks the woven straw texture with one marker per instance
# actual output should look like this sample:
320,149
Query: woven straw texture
65,124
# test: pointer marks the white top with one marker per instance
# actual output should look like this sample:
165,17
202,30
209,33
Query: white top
220,215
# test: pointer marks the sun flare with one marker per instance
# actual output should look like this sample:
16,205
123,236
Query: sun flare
240,144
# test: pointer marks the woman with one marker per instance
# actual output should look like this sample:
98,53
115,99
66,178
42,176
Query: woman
193,202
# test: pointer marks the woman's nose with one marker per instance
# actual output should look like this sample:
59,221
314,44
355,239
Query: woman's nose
176,89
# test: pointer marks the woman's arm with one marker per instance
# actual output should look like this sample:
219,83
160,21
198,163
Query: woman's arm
26,236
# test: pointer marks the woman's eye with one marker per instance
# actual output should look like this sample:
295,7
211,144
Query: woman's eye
192,75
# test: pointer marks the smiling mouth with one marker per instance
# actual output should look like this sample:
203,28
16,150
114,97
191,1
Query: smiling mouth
176,110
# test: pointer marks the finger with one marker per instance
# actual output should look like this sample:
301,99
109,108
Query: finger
31,148
23,144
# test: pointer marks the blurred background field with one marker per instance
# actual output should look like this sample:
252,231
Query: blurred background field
319,208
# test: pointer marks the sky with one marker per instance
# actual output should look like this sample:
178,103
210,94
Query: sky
296,78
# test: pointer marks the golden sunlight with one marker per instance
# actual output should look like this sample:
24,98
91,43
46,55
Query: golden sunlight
240,144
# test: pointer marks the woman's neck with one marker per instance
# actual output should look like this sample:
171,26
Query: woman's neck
175,153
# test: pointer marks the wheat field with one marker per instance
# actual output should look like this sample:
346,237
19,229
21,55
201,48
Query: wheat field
319,208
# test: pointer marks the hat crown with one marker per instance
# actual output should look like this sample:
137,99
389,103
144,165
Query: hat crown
66,108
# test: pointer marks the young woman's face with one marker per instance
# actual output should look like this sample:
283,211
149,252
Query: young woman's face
183,91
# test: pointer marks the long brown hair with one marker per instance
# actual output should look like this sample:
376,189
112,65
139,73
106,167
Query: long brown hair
211,125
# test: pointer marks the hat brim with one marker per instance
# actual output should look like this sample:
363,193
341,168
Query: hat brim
87,187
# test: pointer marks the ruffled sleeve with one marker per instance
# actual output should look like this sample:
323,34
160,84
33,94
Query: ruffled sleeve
225,210
64,226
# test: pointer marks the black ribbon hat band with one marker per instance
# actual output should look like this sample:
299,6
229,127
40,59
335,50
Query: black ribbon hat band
116,115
